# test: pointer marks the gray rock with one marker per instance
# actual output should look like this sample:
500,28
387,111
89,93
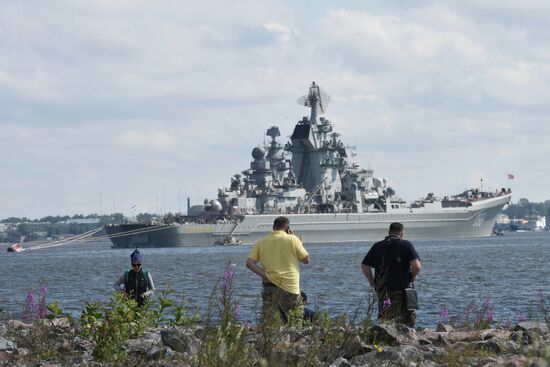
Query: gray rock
168,352
491,345
148,346
512,346
59,323
523,337
442,341
408,354
387,357
182,339
516,361
340,362
444,328
22,352
353,347
422,340
7,345
393,334
539,327
489,362
404,355
81,344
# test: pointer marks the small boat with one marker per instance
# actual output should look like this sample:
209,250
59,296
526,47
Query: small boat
16,247
228,241
498,232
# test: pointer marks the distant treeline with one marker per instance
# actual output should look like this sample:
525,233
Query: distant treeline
524,208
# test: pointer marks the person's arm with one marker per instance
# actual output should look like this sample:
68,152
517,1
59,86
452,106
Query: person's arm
301,252
367,270
258,270
150,286
415,268
119,281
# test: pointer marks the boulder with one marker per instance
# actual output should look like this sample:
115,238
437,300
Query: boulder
403,355
491,345
340,362
393,334
354,346
444,328
180,339
59,323
148,346
7,345
516,361
464,336
539,327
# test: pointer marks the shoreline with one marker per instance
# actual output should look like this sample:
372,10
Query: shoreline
62,342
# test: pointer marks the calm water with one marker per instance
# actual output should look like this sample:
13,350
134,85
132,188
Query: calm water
512,270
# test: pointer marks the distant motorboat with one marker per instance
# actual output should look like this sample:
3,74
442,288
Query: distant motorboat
228,241
16,247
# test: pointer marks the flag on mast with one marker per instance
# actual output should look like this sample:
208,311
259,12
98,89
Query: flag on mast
510,176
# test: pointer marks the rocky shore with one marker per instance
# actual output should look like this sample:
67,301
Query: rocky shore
60,342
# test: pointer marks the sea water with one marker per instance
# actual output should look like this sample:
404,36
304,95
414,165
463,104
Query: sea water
510,272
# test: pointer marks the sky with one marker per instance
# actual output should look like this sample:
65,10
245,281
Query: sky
108,104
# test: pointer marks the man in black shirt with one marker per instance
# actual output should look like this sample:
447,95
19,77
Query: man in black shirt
396,264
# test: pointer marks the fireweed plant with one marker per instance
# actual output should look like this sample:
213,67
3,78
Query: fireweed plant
479,316
225,344
35,304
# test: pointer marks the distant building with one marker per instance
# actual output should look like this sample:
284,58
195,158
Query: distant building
536,223
532,223
82,221
503,219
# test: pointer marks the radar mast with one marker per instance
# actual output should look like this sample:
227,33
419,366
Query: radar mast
317,99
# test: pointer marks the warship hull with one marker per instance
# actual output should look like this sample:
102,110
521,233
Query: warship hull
476,220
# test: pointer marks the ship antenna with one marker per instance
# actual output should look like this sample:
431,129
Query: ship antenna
317,99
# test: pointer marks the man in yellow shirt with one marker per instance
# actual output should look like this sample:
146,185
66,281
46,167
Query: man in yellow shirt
280,254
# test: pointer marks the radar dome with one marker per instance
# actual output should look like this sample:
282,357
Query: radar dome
213,205
258,153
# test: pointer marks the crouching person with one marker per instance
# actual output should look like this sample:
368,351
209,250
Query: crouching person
138,283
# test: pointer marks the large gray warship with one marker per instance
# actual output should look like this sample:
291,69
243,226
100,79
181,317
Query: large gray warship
329,199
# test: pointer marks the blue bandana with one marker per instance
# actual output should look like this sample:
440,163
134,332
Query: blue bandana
135,257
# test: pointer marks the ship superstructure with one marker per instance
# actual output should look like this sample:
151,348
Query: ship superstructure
327,197
310,174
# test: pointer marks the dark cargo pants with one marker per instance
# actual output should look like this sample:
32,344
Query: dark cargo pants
276,300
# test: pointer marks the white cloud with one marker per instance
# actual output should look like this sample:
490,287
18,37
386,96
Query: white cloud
146,139
282,32
131,98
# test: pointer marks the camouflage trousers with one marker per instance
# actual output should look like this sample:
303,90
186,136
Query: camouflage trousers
393,306
276,300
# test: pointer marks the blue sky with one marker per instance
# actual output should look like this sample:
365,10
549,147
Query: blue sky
150,102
